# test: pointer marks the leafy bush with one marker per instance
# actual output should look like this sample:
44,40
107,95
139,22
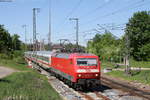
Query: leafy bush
106,46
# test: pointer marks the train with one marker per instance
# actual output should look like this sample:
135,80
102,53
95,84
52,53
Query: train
79,70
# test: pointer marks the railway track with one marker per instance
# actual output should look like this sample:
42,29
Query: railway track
109,90
125,87
68,93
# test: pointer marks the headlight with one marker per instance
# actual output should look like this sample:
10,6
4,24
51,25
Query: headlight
79,75
96,75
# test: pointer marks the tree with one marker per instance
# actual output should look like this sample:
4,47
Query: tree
5,40
16,43
138,31
8,42
106,46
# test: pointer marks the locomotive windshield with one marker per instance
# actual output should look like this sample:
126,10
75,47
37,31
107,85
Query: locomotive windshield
86,62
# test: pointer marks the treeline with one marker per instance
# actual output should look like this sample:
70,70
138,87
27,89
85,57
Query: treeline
106,46
8,43
136,41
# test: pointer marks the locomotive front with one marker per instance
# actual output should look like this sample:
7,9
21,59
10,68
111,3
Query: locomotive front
87,68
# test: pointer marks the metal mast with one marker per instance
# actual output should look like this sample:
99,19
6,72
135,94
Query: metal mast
49,34
34,28
77,29
127,58
25,36
25,32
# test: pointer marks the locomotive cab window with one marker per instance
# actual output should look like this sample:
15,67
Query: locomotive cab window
86,62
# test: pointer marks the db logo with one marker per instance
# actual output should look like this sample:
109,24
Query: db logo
88,70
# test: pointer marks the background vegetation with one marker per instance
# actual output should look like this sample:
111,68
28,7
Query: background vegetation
136,42
8,43
138,30
25,84
113,49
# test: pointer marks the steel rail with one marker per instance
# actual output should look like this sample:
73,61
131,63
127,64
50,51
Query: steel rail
132,90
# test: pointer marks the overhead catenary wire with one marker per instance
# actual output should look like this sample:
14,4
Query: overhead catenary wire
76,7
69,14
92,11
96,9
118,27
108,26
121,26
128,7
131,6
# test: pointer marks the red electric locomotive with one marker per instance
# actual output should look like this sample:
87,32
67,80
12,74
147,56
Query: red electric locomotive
78,69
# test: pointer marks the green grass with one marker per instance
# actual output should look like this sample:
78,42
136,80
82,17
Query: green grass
106,64
16,63
142,77
144,64
133,63
27,86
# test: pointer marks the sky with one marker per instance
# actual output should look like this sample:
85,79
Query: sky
106,13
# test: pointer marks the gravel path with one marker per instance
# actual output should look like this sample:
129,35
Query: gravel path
4,71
